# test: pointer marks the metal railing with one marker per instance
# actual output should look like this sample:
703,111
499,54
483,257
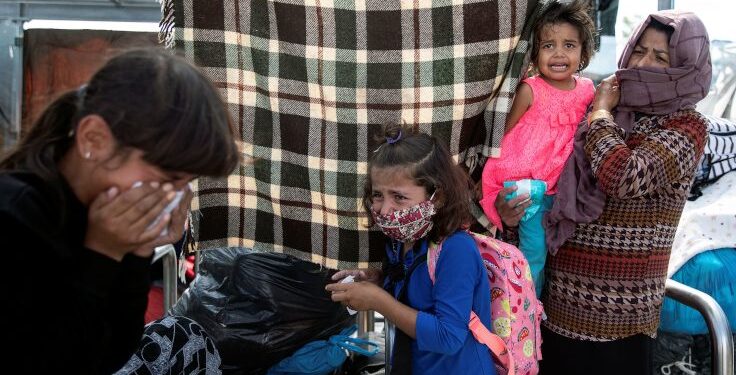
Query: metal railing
388,329
722,355
720,331
168,255
366,322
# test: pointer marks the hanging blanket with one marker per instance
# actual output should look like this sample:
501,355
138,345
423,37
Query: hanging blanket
309,84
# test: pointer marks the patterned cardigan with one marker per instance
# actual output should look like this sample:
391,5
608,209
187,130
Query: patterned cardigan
607,281
309,85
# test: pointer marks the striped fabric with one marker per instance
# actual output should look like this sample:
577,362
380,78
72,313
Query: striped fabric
309,84
607,281
720,152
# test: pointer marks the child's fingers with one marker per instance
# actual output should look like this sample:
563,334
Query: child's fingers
339,297
523,203
508,190
335,287
521,200
339,275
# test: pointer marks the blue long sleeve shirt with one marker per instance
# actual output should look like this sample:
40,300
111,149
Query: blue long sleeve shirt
444,344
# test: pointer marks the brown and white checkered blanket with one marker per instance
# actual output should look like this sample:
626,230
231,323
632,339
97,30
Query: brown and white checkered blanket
309,84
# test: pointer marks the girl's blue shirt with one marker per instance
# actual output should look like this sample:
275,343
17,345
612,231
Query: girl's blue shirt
444,344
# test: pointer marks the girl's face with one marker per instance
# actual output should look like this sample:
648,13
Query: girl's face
560,49
652,51
393,190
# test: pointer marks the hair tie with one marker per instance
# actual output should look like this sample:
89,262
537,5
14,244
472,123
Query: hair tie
391,141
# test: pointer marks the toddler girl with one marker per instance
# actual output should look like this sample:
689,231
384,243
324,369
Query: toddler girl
542,124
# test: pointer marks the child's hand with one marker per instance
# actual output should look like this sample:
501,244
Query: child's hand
366,274
118,222
359,296
511,211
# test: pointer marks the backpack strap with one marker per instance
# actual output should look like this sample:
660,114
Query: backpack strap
433,254
494,343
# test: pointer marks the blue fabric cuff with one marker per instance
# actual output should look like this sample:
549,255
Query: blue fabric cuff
425,330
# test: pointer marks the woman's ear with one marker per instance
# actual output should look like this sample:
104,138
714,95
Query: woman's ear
94,140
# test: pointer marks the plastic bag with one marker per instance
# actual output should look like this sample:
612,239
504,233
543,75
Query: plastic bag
259,308
324,357
535,189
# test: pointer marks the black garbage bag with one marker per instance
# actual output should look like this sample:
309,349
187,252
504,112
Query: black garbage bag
673,352
701,354
259,308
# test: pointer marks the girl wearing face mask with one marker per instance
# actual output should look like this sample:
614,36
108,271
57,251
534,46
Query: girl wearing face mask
415,194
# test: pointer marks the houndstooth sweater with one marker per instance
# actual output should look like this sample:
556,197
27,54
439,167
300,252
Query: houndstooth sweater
607,281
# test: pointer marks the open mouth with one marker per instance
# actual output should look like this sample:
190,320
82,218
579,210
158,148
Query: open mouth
558,67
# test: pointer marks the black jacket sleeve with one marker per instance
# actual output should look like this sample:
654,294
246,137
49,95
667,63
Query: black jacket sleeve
69,309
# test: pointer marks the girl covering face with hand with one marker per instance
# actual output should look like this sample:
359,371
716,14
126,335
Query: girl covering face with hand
79,198
416,194
540,130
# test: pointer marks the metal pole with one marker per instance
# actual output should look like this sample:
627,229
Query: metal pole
17,85
665,4
168,255
197,260
11,77
389,329
720,331
366,323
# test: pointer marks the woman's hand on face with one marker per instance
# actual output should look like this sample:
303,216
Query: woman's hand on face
120,222
177,225
359,295
607,94
372,275
511,211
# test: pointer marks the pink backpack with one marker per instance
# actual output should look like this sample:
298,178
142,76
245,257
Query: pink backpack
516,313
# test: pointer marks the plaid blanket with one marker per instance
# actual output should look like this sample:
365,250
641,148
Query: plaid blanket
309,84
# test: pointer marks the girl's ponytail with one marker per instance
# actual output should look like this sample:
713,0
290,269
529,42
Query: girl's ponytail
48,140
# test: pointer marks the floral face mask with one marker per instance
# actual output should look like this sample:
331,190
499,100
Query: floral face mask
409,224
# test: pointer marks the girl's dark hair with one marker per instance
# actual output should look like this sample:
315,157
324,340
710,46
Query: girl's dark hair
576,13
659,26
429,163
152,101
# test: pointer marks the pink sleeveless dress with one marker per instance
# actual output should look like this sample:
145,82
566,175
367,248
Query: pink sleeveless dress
540,143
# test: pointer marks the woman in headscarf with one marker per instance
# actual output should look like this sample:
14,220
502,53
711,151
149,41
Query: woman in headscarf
624,189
